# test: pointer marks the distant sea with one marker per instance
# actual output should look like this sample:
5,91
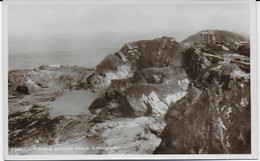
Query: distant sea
89,57
86,50
31,51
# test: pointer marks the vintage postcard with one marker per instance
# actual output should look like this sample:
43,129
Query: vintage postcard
132,79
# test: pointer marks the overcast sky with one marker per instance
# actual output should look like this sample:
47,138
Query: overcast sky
121,19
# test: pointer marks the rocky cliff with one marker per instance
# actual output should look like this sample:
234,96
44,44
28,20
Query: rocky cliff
139,96
214,117
155,96
202,96
136,56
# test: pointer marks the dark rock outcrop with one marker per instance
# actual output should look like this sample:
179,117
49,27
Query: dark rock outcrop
214,116
135,56
143,76
33,126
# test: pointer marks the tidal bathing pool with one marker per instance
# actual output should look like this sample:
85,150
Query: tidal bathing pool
74,102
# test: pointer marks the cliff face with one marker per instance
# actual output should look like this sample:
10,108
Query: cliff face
153,82
140,96
214,117
155,96
135,56
205,99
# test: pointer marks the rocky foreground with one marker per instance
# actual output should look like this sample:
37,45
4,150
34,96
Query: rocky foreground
154,97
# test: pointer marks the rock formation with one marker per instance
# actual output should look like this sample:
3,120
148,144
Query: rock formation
155,96
214,117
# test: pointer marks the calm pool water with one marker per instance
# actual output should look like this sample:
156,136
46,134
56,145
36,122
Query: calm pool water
74,102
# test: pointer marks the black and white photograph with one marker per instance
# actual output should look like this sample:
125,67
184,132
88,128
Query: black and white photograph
139,78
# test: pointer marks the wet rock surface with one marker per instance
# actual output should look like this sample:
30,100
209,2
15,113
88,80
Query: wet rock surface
153,96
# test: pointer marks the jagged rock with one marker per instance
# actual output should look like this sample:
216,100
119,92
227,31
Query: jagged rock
141,100
214,120
28,126
140,96
134,56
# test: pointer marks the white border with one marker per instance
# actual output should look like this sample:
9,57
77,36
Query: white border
5,79
254,111
1,83
254,81
69,2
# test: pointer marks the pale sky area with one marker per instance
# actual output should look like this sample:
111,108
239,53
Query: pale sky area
126,18
56,29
